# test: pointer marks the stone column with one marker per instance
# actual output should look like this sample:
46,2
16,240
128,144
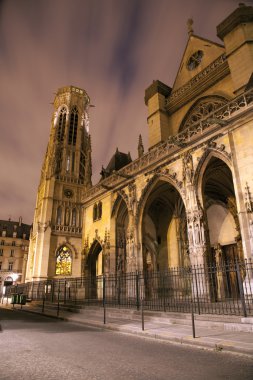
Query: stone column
196,227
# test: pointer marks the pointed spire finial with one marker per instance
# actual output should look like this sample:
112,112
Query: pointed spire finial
140,147
189,26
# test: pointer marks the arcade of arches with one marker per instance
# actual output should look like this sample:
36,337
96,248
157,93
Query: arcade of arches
167,238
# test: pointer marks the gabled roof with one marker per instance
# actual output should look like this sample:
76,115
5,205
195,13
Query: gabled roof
211,51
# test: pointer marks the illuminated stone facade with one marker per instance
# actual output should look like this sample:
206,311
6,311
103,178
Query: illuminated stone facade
14,243
188,200
66,173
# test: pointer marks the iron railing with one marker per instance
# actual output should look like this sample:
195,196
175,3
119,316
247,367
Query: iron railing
218,289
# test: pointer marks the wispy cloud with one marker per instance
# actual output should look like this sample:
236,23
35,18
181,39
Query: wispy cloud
111,48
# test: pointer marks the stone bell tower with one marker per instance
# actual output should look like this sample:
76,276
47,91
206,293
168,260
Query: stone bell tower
55,245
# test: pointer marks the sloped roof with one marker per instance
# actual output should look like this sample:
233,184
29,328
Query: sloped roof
11,226
117,162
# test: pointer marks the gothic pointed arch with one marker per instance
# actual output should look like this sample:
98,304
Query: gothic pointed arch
218,199
121,231
73,126
162,220
94,262
165,175
201,109
121,196
59,215
212,151
61,124
74,217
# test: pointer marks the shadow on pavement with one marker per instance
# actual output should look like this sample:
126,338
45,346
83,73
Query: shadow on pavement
17,319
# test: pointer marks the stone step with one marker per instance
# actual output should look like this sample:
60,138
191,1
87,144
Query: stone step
225,322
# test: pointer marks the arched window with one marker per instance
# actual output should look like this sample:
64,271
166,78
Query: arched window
61,125
63,261
99,210
68,163
73,126
74,217
95,212
58,216
67,217
82,166
201,109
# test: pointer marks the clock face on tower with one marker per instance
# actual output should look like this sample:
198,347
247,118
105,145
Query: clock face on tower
194,60
68,193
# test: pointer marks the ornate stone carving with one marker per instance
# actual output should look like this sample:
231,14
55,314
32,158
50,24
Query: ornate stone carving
231,204
247,199
167,149
202,109
198,83
196,230
132,201
107,239
187,168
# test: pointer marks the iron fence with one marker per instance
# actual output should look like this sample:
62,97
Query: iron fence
218,289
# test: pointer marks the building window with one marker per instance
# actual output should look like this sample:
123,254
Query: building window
10,266
73,162
12,252
68,163
2,242
58,216
67,217
95,212
1,252
3,233
0,265
74,217
63,261
99,210
73,126
13,243
61,125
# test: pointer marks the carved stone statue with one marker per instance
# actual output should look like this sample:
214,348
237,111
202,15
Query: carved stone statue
187,168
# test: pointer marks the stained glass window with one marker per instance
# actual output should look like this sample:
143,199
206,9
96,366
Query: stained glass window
63,261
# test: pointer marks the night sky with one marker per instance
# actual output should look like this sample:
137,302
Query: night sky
113,49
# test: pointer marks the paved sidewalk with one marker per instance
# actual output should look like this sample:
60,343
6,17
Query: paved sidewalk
213,338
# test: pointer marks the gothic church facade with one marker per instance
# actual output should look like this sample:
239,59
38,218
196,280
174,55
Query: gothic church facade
186,201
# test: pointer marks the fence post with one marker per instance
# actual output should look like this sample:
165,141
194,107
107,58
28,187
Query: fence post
104,298
142,315
118,279
193,322
43,304
164,294
137,291
32,290
58,303
52,291
65,291
241,289
197,290
75,290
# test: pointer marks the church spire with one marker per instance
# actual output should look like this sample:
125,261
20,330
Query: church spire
140,147
189,26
